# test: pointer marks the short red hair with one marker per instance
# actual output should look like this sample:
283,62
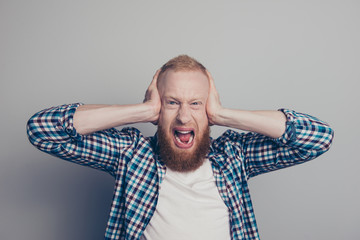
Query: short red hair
183,63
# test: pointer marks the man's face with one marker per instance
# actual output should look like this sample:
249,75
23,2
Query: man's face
183,123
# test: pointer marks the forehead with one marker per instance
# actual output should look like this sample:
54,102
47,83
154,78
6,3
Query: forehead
184,83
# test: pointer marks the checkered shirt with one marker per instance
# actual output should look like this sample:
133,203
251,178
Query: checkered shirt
133,161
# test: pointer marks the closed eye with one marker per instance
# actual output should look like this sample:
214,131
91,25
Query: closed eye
196,103
172,103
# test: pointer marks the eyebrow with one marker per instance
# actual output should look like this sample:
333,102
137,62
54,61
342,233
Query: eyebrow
178,100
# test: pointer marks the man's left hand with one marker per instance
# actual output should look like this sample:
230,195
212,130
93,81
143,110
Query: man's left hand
213,105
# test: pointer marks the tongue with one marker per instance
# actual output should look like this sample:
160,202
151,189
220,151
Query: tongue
184,137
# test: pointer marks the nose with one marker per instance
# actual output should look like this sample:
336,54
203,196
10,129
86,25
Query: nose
184,115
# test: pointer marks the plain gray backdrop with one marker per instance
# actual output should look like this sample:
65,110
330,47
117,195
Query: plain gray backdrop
302,55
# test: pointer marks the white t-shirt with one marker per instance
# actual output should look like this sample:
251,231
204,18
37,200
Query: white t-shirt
189,207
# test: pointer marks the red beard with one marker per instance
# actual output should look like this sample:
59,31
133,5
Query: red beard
180,160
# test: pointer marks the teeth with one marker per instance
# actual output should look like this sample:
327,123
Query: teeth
190,139
184,132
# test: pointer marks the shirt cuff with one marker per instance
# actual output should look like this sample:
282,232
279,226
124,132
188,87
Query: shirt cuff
67,120
289,135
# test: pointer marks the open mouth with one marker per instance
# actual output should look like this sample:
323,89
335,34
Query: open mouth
184,138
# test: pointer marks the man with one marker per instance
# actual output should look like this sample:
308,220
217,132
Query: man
180,183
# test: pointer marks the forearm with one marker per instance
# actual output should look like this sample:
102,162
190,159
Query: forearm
268,123
92,118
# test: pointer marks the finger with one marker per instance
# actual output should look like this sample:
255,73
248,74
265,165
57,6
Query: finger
152,86
154,80
211,79
146,96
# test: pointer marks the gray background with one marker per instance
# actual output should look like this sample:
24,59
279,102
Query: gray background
302,55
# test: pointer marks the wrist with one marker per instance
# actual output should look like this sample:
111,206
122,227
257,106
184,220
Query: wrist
216,117
151,112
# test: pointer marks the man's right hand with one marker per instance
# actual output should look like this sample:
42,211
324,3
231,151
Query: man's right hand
152,98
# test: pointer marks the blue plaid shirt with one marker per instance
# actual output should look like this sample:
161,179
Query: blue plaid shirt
132,160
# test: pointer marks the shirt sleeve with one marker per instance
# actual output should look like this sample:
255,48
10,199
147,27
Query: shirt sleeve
52,131
305,138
